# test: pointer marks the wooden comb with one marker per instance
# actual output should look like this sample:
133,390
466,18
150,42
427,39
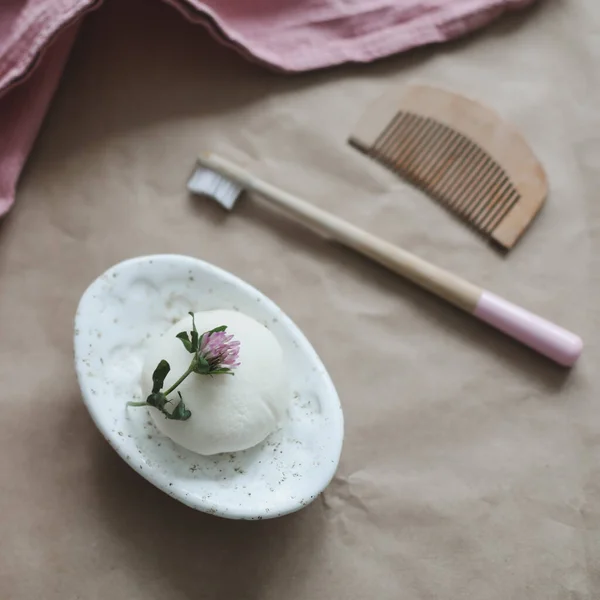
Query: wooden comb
460,153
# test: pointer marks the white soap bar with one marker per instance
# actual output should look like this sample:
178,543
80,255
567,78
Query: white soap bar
229,412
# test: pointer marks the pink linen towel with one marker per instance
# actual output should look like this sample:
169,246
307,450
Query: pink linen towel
289,35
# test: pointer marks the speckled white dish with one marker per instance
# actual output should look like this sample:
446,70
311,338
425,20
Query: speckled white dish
138,299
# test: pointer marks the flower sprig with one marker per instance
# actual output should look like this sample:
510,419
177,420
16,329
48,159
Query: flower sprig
215,353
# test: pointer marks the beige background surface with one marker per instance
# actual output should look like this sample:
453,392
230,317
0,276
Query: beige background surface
470,467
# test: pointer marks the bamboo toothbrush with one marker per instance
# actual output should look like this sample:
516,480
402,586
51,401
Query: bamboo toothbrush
223,181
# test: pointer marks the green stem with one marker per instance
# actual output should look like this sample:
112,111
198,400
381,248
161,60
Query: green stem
137,403
180,380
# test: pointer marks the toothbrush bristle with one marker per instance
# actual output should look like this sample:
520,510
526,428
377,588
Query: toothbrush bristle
206,182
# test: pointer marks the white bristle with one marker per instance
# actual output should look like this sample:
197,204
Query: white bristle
209,183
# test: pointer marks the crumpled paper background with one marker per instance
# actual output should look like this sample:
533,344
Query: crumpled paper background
470,464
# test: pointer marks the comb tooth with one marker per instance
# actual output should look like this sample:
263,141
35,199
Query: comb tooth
483,217
413,149
476,170
391,133
386,132
389,138
484,176
434,155
421,149
489,196
491,176
495,196
466,163
472,194
452,144
495,221
468,168
409,142
447,160
479,202
389,154
389,149
501,201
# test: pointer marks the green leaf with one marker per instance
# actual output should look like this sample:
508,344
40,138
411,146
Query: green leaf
185,340
193,321
201,365
217,329
180,412
159,375
222,371
195,340
159,401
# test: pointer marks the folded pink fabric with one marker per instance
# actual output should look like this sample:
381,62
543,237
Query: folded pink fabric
289,35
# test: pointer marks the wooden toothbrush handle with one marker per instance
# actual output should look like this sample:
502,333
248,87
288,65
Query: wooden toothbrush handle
443,283
558,344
